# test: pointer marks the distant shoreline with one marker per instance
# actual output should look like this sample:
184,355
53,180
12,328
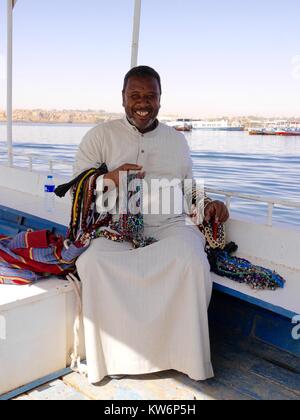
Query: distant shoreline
53,117
51,123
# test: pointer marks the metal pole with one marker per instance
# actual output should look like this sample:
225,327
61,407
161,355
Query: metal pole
136,32
9,112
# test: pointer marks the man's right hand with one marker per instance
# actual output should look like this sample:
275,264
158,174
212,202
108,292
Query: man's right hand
114,175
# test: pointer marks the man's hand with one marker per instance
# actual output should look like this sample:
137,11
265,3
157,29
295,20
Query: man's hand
216,211
114,175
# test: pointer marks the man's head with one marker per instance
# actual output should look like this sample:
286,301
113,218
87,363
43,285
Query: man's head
141,97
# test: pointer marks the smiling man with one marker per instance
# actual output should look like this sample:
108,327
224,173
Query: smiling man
145,310
141,99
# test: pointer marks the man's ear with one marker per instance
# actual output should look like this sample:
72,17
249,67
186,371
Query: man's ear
123,98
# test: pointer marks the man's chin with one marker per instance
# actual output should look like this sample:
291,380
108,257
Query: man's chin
142,125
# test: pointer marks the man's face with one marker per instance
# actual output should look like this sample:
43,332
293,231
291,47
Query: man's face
141,100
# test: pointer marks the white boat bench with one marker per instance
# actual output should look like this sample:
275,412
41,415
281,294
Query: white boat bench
265,316
273,247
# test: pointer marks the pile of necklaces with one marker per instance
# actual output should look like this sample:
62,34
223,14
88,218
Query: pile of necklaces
130,224
242,270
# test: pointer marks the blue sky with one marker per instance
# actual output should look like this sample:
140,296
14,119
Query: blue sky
215,57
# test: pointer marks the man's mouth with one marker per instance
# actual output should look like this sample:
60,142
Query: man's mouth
143,114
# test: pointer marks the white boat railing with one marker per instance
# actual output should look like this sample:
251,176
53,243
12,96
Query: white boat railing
50,162
271,202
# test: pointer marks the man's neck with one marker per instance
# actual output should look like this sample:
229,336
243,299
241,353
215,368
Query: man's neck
148,129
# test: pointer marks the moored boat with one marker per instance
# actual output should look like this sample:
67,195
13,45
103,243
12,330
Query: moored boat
274,132
180,125
185,128
218,125
262,132
288,133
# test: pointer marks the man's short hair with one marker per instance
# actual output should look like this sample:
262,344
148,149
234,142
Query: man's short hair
142,71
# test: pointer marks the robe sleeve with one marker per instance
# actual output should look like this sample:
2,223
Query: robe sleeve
90,155
90,152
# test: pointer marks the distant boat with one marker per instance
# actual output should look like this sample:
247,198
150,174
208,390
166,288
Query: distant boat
219,125
275,128
274,132
289,133
184,127
262,132
180,125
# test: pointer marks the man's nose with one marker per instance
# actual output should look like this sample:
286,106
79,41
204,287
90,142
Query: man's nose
144,100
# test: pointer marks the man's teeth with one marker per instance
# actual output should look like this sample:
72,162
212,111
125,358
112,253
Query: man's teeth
142,113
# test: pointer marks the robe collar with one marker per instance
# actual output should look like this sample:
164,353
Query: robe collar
133,128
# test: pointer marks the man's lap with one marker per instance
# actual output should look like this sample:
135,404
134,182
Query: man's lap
179,239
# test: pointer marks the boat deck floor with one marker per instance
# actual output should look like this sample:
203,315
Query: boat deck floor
245,369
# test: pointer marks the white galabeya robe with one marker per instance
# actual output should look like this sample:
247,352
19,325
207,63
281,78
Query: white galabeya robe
145,310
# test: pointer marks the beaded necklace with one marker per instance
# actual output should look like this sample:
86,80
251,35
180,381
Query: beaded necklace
224,264
130,225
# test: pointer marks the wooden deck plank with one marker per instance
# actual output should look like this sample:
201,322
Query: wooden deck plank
288,380
272,354
266,369
212,387
160,389
232,374
23,398
229,384
56,390
241,374
257,348
241,355
105,390
142,387
170,385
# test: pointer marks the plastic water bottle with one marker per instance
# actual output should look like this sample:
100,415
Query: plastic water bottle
49,199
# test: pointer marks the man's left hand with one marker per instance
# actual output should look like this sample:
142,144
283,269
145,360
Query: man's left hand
216,211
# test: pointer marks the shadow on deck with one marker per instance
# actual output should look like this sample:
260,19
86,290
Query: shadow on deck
245,369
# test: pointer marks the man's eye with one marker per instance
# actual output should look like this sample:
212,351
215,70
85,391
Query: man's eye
134,97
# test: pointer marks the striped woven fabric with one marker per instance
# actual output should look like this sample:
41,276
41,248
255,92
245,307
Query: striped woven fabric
31,256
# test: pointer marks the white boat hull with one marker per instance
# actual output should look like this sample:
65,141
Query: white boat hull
36,324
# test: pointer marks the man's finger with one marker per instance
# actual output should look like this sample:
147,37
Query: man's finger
141,175
219,217
129,166
222,214
210,212
217,212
